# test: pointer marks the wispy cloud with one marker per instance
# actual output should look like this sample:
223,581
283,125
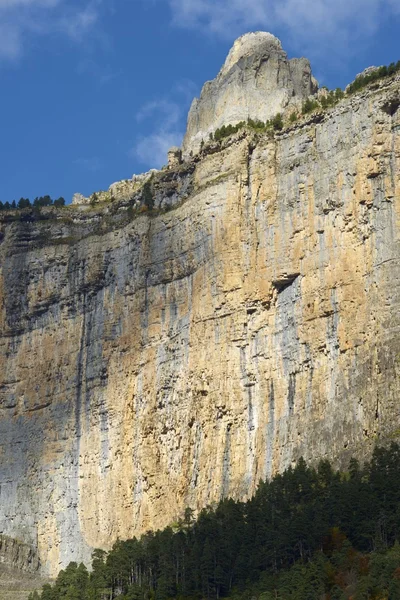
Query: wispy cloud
151,150
311,23
10,42
22,19
10,4
165,112
395,5
167,118
77,24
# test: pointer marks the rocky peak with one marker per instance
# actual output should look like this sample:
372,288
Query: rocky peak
249,45
256,81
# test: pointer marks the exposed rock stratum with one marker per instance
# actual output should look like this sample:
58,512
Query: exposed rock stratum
156,360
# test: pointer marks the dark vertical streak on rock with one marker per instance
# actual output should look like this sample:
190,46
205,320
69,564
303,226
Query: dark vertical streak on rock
291,392
270,431
226,463
79,372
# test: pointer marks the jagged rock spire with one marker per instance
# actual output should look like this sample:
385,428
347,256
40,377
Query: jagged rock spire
256,81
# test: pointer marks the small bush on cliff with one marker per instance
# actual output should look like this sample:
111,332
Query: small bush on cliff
147,195
309,105
277,122
257,125
330,99
339,94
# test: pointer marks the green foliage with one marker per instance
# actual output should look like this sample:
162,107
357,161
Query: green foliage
42,201
293,117
257,125
309,533
37,203
227,130
309,106
331,98
277,122
363,80
147,194
339,94
24,203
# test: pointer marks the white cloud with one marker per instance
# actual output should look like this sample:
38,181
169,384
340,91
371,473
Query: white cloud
21,19
309,22
10,4
76,24
220,15
10,42
395,5
165,113
166,118
151,150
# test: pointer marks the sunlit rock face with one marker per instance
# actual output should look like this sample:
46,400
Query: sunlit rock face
257,81
154,361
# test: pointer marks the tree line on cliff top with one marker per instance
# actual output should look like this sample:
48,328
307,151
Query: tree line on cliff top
38,202
307,534
379,73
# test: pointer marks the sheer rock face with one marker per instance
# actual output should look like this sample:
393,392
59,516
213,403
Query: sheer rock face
155,362
257,81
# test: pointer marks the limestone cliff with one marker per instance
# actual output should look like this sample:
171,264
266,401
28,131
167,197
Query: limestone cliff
155,360
257,81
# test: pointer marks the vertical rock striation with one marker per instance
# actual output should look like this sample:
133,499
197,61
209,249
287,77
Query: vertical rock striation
157,361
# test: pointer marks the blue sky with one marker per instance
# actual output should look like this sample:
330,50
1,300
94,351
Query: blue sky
92,92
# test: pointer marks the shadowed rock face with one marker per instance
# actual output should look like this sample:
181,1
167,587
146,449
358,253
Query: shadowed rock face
150,362
17,555
257,81
19,570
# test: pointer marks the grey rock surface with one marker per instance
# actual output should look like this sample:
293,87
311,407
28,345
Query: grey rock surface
80,199
257,81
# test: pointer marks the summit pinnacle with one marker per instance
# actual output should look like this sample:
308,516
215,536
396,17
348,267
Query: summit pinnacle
256,81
